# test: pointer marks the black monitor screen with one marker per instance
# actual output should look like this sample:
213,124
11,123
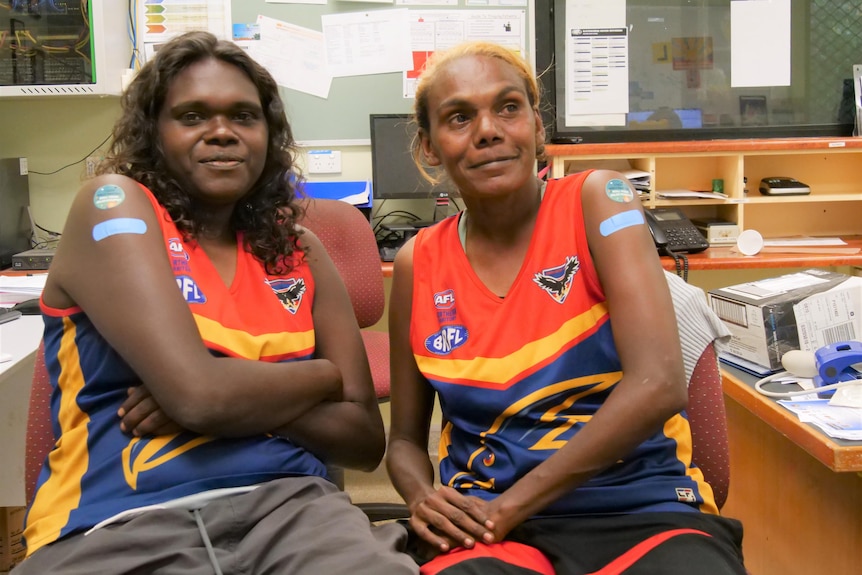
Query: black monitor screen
393,173
708,69
686,118
45,43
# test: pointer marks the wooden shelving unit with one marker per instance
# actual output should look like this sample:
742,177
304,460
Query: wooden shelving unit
832,168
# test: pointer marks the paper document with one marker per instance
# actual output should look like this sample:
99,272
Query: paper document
15,289
677,194
295,56
803,241
834,421
361,43
639,179
29,284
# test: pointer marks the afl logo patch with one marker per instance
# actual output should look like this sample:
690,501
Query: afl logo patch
190,290
446,340
289,292
176,249
444,299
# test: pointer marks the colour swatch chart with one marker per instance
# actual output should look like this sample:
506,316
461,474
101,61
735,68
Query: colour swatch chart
162,19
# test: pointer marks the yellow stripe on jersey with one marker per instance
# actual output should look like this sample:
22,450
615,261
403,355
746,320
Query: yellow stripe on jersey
588,385
679,429
149,458
502,371
248,346
445,441
61,493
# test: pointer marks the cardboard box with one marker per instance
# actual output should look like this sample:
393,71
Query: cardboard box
804,310
11,531
717,232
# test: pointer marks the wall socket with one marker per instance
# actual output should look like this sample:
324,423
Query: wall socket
91,162
324,162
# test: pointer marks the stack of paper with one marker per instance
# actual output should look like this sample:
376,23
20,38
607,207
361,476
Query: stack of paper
639,179
835,421
797,241
14,289
689,194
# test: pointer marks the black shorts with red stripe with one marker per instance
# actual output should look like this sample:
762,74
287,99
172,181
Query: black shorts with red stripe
636,544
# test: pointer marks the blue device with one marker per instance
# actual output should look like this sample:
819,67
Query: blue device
835,364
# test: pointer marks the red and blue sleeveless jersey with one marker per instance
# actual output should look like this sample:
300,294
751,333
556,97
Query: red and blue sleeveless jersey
518,376
96,471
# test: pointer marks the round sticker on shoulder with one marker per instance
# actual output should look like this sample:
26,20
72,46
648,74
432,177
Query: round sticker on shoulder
619,191
109,196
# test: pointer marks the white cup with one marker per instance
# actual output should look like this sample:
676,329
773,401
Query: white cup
749,242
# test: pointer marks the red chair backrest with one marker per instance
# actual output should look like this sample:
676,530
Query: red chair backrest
707,417
40,435
348,238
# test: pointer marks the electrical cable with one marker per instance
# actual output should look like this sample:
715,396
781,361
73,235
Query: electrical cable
680,261
758,386
395,213
133,33
90,153
47,231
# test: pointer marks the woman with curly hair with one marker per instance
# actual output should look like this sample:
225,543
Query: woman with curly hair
194,426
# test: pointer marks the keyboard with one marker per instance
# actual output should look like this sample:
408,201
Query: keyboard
8,314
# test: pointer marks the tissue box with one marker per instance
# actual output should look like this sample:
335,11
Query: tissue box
804,310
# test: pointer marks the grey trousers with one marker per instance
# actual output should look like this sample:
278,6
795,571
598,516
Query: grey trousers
296,526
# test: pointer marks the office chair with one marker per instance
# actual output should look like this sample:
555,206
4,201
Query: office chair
706,416
40,436
349,240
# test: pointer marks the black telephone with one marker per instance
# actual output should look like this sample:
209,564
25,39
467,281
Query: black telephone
673,232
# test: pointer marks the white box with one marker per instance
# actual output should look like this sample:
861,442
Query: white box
716,232
804,310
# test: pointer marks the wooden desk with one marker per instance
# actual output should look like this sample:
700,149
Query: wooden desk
19,338
724,258
797,491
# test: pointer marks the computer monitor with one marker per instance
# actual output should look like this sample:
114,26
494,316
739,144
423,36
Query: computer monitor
393,173
689,118
14,216
63,47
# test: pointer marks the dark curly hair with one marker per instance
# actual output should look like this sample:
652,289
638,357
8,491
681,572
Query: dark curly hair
267,215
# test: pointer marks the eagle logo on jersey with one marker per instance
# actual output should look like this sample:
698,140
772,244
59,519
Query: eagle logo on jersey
558,280
289,292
